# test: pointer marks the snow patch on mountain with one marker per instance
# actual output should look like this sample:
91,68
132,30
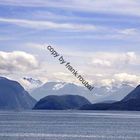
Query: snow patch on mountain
59,86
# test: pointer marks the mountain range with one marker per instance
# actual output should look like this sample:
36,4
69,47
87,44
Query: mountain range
57,95
99,94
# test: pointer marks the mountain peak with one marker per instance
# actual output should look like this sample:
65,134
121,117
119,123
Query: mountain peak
138,86
135,94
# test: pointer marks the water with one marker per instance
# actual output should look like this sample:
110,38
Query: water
69,125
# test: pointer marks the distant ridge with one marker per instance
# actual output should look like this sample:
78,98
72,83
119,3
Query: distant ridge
99,94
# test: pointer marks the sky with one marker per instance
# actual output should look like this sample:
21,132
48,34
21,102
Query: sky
101,39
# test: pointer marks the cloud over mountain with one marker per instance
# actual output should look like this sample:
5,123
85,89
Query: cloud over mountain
17,61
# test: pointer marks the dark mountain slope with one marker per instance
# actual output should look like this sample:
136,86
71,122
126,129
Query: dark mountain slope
13,96
63,102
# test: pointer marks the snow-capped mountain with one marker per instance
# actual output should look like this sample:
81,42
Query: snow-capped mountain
98,94
58,88
32,81
116,93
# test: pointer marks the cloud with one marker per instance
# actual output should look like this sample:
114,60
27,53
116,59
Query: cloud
48,25
107,82
129,31
34,46
125,77
126,7
17,61
65,77
114,59
109,68
101,32
101,62
118,79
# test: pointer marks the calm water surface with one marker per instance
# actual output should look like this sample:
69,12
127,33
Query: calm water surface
69,125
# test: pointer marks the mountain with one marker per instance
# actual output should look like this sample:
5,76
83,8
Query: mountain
32,81
135,94
116,93
13,96
98,94
130,102
60,88
63,102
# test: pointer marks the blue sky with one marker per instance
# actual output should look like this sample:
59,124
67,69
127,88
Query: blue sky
100,37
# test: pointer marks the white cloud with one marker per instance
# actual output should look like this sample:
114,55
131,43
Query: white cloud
107,82
129,31
127,7
101,62
98,75
17,61
125,77
130,57
106,73
114,59
49,25
107,32
120,78
64,77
